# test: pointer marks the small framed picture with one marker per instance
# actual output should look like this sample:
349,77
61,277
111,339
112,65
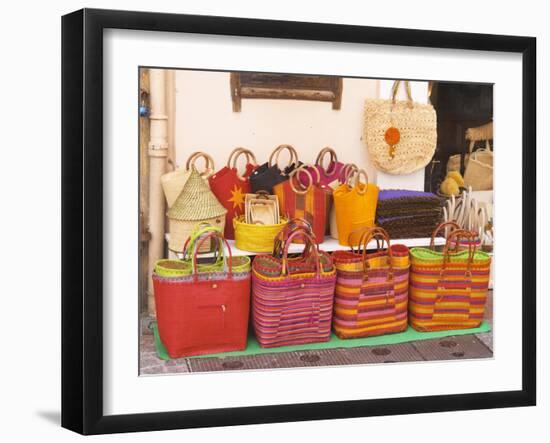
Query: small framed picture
269,221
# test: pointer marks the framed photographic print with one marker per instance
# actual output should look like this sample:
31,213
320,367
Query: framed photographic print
269,221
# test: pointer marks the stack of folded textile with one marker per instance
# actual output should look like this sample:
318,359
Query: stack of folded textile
408,214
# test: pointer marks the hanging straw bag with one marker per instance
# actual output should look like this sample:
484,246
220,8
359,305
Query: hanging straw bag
196,203
448,290
173,182
305,202
401,136
264,177
292,299
230,188
479,171
459,162
355,205
371,288
204,312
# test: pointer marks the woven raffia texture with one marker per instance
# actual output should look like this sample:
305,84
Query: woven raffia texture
452,299
294,309
371,302
408,214
417,126
196,201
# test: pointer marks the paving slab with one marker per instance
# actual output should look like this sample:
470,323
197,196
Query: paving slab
453,348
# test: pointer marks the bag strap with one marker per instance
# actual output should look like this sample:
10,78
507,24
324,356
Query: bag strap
197,230
309,246
383,234
208,163
220,238
459,233
295,224
395,88
441,226
363,231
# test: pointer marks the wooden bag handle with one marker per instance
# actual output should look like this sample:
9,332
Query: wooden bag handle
277,151
208,163
333,159
357,174
235,154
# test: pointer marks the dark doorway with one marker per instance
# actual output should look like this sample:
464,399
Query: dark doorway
459,106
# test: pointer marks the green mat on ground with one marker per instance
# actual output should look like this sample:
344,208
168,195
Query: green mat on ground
253,347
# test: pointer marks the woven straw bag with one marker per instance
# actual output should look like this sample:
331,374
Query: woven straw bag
355,205
307,202
479,171
173,182
230,187
204,312
256,238
178,268
401,136
448,290
371,288
265,176
485,156
196,203
347,170
292,299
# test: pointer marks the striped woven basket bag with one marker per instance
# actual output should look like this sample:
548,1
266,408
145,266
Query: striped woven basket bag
371,288
292,298
448,290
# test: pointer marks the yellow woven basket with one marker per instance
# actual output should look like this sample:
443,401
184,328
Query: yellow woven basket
256,238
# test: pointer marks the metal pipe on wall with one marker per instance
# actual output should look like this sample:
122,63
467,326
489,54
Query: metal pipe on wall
158,152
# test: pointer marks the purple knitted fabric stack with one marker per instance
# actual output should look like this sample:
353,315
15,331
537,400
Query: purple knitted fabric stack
408,214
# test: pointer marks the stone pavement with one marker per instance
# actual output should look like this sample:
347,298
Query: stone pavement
448,348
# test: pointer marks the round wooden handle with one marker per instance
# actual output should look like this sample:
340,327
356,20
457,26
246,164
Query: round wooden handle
275,154
294,174
208,161
333,159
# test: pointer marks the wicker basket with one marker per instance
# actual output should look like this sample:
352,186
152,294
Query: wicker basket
256,238
173,182
196,203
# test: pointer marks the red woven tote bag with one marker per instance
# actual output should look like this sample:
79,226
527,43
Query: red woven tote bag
292,298
203,313
230,188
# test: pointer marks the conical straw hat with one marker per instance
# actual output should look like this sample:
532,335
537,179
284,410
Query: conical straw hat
196,201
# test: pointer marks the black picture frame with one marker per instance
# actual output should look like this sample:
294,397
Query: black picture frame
82,218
